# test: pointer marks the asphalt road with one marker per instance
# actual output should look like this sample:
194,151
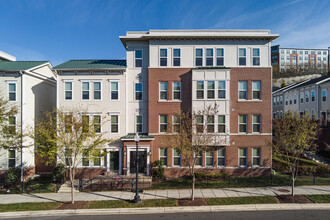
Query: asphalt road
254,215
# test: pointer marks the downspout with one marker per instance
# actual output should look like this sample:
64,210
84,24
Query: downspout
22,164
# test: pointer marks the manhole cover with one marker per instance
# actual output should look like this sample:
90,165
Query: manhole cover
283,190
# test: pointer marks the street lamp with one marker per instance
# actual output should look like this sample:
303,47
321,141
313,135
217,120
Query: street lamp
137,198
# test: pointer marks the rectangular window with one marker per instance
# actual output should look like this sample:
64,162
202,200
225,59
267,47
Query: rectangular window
200,90
114,120
222,157
163,57
114,90
209,158
295,99
221,89
97,160
242,57
97,123
176,123
163,155
209,57
286,100
176,157
138,58
199,57
85,158
176,57
163,123
12,91
324,95
85,90
242,90
200,123
281,100
221,124
176,90
68,123
256,157
256,123
313,95
210,89
256,57
256,90
11,158
301,97
242,157
307,96
12,124
85,123
163,90
68,90
138,91
139,124
242,124
97,90
199,159
220,57
210,124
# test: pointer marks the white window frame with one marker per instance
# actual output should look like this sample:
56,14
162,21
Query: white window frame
239,157
135,58
207,89
200,124
255,56
118,90
162,157
242,56
163,57
136,123
210,124
175,123
97,81
173,157
11,82
239,90
115,114
199,57
256,90
135,91
199,158
11,158
84,157
222,89
200,89
163,123
209,57
206,157
246,128
72,84
176,90
100,123
82,91
176,57
221,124
257,115
15,117
160,91
222,157
100,158
259,157
218,56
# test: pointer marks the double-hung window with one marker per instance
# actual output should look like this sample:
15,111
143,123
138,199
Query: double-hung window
242,124
199,123
210,89
242,57
114,123
313,95
68,91
176,57
242,157
324,95
138,91
85,90
221,124
242,89
210,124
209,159
163,90
176,90
163,155
97,123
199,57
139,124
200,90
256,157
281,100
307,96
176,123
222,157
85,124
256,90
256,56
256,123
295,99
163,123
220,57
12,91
176,157
97,90
302,97
12,124
163,57
209,57
199,158
286,100
138,58
11,158
97,159
221,89
85,158
114,90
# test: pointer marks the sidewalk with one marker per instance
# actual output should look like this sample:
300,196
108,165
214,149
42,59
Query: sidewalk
163,194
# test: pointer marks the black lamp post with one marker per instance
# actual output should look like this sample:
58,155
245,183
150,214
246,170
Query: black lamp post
137,198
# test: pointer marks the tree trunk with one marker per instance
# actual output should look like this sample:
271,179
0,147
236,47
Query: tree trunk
72,184
292,186
193,184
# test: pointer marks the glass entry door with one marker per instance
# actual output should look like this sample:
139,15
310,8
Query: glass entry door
142,161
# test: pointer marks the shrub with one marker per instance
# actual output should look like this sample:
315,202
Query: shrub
157,169
200,175
59,172
12,176
322,170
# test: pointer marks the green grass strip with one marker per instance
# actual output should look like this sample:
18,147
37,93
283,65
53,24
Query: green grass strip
242,200
129,204
319,198
29,206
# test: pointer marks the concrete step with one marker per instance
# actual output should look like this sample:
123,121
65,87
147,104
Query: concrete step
66,188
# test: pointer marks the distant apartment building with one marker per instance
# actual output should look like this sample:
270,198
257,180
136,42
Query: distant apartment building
296,59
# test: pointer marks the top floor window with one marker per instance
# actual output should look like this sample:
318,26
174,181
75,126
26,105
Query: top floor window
176,57
209,57
220,57
242,57
138,58
85,90
242,90
97,90
199,57
163,57
324,95
12,91
307,96
313,95
163,90
200,90
68,91
302,97
114,90
256,57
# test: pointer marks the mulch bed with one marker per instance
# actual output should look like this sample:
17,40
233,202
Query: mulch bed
293,199
76,205
189,202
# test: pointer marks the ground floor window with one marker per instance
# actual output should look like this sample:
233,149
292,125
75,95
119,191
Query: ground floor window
85,158
176,157
163,155
11,158
209,158
242,157
222,157
199,159
256,157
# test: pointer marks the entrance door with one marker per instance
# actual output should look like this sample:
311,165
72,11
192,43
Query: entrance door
142,161
114,161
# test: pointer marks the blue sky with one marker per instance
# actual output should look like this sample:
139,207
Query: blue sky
60,30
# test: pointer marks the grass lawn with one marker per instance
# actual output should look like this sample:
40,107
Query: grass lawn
242,200
319,198
34,206
129,204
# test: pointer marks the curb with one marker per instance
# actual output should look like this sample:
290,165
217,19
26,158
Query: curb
164,210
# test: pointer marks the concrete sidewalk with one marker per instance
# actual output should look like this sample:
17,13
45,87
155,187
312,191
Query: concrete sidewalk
163,194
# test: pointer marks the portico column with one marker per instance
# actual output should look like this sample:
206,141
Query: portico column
108,161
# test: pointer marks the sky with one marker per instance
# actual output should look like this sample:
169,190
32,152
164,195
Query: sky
60,30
